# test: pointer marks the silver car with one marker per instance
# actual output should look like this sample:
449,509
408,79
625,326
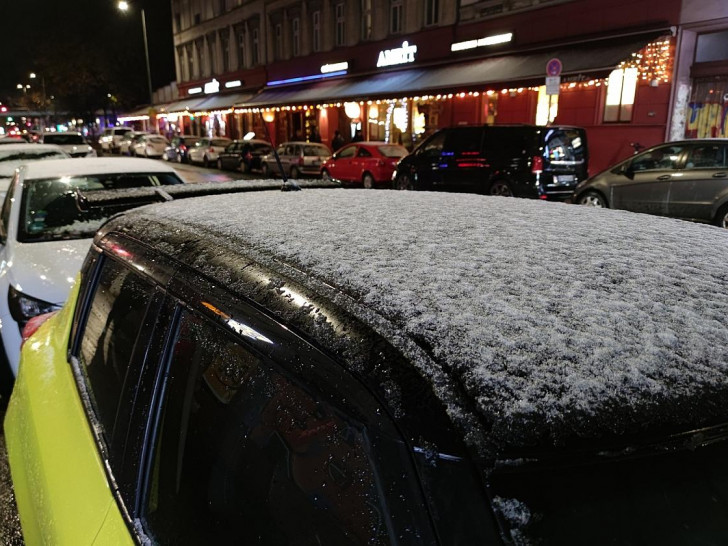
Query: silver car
296,158
682,179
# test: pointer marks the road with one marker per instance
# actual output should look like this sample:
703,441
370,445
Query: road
10,534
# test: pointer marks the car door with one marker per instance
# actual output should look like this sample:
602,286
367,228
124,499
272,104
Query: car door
427,161
341,167
644,184
462,163
703,180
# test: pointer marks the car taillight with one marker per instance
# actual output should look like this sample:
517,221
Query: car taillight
537,164
182,147
300,161
31,327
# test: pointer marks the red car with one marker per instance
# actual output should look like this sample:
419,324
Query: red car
366,163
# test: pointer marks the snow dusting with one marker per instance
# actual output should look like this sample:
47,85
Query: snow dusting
557,320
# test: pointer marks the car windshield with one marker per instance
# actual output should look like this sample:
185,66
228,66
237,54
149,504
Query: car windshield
63,138
671,496
316,150
49,212
564,145
393,151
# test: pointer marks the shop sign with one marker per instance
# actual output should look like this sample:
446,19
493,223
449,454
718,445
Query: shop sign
399,55
194,90
233,83
487,41
212,87
334,67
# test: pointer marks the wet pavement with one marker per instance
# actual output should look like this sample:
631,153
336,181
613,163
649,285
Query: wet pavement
10,534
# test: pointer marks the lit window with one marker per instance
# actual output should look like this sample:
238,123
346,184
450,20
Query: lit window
620,95
547,107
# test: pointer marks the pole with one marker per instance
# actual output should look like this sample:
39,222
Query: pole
146,54
43,117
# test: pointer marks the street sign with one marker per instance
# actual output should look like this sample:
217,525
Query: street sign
552,85
553,67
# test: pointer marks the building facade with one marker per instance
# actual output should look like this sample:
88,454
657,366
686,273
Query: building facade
630,72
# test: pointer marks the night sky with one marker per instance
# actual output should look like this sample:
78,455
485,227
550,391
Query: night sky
85,46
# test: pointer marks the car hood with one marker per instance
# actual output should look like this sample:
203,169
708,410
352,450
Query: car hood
46,270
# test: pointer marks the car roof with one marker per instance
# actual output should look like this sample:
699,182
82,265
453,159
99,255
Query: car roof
93,165
539,321
30,146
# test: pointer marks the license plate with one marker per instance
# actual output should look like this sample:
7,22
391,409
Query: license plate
564,178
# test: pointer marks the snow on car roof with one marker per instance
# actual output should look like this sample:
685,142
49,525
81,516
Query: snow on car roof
559,321
93,165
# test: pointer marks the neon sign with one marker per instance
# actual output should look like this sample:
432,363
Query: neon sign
399,55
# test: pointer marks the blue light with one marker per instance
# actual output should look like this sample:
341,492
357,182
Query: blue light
307,78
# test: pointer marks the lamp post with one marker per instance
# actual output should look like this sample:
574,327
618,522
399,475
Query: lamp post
123,5
43,116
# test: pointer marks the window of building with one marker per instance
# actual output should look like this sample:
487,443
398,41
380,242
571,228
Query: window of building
621,91
190,61
255,49
703,118
212,53
177,22
432,12
284,462
547,107
221,7
366,19
296,36
340,25
712,46
395,16
278,41
240,40
316,30
202,57
225,46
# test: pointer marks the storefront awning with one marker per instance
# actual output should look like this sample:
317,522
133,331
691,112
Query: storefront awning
591,60
182,105
222,102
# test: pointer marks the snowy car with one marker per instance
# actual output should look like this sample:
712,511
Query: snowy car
149,146
44,236
14,155
348,367
73,143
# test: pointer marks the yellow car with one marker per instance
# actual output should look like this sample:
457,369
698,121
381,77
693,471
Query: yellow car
347,367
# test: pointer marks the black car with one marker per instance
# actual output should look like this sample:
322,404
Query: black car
243,155
258,368
509,160
682,179
178,146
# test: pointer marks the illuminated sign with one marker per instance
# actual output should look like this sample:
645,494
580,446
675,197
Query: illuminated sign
194,90
399,55
234,83
212,86
487,41
335,67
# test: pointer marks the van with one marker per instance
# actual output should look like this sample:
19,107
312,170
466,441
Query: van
509,160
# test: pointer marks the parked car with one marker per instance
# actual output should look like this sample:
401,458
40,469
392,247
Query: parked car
150,146
297,158
72,143
229,372
509,160
111,138
127,142
682,179
14,155
206,150
244,155
43,235
367,163
178,147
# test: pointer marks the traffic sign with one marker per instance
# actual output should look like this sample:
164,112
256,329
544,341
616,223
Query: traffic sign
553,67
552,85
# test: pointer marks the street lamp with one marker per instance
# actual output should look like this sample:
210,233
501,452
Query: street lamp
23,87
42,82
124,6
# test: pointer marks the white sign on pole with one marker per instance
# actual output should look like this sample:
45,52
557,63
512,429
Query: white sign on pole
552,85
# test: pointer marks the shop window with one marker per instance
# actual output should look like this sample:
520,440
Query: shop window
366,19
316,30
547,107
296,36
395,17
340,25
712,46
621,91
706,108
432,12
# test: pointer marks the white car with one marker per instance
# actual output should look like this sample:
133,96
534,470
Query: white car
44,237
126,144
14,155
206,150
149,146
109,141
72,143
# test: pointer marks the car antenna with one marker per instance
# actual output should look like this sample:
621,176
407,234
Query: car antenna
288,185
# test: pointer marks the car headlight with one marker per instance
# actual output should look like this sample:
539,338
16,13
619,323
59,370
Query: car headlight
23,307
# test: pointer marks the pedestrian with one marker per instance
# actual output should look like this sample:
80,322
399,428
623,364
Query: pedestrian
338,140
357,136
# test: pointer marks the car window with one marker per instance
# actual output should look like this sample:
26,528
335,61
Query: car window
114,326
564,145
462,141
220,142
262,148
316,150
348,151
662,158
246,454
433,146
707,156
63,138
48,209
393,151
